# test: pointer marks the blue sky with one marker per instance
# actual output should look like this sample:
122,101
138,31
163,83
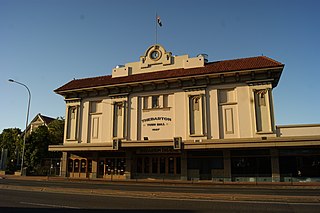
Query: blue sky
46,43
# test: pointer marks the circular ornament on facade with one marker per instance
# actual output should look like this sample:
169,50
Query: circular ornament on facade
155,55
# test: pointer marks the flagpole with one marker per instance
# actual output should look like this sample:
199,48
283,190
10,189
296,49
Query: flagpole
156,28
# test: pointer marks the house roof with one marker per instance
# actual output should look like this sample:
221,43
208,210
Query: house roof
47,119
44,118
252,63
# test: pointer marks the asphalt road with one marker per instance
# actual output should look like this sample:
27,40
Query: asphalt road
172,188
30,201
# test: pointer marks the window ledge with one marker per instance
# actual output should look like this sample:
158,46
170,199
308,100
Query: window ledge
71,140
195,135
228,103
95,113
268,132
158,108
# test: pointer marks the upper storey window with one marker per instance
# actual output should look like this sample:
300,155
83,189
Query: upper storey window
119,119
197,115
72,121
95,107
262,99
155,101
95,121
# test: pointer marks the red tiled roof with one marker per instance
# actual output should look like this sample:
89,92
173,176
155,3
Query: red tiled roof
209,68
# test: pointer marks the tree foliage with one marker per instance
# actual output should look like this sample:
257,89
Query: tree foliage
56,130
38,141
10,139
36,146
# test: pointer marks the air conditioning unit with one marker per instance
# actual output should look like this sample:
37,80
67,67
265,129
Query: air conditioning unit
177,142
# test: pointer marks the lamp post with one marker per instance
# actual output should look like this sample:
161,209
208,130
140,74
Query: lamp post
25,131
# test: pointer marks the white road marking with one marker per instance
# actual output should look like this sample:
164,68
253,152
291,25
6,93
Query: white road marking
50,205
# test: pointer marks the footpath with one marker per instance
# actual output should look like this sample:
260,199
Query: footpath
225,197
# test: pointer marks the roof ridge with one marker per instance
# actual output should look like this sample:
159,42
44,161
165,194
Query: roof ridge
244,58
211,67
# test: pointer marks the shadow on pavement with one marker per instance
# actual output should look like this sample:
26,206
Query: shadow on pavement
65,210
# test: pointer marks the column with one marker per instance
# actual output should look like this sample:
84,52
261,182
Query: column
275,165
64,164
227,165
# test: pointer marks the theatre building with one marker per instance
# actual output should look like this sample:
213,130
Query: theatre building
181,117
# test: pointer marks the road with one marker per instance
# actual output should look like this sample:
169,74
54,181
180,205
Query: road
64,196
179,188
29,201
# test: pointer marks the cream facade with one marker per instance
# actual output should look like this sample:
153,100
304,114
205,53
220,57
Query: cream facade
177,117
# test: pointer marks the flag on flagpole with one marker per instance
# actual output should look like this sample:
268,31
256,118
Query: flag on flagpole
159,21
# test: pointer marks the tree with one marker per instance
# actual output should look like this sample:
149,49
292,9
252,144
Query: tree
56,129
37,143
11,141
36,148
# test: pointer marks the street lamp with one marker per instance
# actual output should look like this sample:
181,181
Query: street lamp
25,131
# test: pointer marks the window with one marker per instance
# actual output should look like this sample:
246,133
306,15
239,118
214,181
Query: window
119,109
139,165
165,101
155,165
146,165
70,167
162,165
196,103
196,115
119,119
227,96
145,102
83,166
95,106
228,109
262,110
171,165
95,118
72,122
261,97
76,165
155,101
90,166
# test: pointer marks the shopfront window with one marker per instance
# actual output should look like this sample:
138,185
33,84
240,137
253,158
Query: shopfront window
139,165
178,165
154,165
109,166
90,166
101,168
83,166
76,165
162,165
146,165
70,166
171,165
121,163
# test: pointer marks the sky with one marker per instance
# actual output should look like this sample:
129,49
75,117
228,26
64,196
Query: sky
46,43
